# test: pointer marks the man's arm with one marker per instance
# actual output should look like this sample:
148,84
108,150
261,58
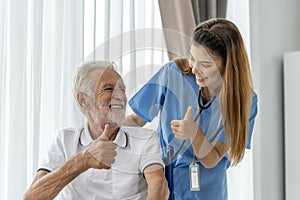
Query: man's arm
99,155
157,183
48,185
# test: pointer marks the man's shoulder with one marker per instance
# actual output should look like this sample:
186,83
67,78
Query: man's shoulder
68,133
138,132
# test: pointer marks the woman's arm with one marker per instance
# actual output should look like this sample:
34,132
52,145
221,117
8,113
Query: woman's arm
209,154
134,120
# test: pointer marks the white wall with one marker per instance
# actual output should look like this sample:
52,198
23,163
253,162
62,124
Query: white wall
275,29
291,124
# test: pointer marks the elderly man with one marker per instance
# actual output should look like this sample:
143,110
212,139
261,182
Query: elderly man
101,160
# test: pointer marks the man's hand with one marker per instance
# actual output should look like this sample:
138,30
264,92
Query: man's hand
185,128
102,152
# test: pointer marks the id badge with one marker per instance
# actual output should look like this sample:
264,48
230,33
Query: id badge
194,177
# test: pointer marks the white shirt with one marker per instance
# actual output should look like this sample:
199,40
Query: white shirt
137,148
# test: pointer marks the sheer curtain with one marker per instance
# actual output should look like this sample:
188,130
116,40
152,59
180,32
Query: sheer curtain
240,178
41,44
128,32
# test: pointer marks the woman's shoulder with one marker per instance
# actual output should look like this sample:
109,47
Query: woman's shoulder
179,64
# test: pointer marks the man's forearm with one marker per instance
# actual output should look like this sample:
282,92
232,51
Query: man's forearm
49,185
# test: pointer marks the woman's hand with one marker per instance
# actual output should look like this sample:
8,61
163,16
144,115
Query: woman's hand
185,128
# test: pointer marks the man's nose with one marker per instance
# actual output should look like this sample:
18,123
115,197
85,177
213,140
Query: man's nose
118,93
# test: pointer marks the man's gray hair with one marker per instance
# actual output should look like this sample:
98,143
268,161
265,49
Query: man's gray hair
82,79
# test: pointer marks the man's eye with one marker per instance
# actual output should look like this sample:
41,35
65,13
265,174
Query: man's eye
108,89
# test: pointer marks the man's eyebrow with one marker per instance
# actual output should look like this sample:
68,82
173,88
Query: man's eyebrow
112,85
108,85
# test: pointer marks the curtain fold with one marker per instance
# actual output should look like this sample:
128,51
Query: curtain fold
41,44
13,80
183,18
207,9
178,21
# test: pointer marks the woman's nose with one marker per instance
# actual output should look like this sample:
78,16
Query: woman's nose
196,70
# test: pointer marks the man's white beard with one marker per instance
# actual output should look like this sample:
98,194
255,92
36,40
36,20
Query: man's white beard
116,116
108,116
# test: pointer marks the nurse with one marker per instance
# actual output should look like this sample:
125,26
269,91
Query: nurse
208,118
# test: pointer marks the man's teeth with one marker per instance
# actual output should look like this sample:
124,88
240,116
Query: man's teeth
116,106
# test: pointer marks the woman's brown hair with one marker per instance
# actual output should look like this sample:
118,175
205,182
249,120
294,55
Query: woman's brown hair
183,64
222,38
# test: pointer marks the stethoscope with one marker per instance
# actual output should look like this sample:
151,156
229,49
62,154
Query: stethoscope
170,156
200,109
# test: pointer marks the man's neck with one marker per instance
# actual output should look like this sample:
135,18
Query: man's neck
96,131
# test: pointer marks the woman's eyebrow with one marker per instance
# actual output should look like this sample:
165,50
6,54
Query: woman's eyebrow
202,61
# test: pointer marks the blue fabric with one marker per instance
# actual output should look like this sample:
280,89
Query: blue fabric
170,92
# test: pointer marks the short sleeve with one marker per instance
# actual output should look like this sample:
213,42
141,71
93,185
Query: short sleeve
151,153
148,101
55,155
253,114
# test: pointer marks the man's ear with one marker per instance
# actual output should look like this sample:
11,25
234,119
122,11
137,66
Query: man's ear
81,98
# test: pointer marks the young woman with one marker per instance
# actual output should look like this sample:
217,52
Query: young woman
208,118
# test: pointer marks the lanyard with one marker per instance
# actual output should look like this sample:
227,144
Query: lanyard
168,160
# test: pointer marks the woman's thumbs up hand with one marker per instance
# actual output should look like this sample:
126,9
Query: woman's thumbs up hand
185,128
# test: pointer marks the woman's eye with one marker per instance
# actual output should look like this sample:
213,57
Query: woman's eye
206,65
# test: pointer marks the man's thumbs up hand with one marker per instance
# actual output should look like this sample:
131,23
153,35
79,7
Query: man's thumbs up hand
101,151
185,128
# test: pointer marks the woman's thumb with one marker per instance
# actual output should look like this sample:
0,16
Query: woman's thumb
189,113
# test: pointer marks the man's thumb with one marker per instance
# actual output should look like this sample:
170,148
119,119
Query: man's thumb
106,133
189,113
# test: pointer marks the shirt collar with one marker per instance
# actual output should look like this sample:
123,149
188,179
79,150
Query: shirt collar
85,137
121,139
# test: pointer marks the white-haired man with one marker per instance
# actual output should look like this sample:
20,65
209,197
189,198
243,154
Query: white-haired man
102,159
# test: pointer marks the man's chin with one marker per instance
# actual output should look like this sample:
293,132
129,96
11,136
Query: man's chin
118,120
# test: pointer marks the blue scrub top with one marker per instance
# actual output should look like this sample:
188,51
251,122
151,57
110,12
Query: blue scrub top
168,93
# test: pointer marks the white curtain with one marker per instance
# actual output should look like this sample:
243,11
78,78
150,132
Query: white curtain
128,32
41,44
240,178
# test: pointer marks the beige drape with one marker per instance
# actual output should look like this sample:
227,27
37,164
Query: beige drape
179,19
207,9
178,22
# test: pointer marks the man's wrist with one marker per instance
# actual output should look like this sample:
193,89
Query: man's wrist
82,160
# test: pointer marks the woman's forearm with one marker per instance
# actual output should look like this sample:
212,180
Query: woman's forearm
209,154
